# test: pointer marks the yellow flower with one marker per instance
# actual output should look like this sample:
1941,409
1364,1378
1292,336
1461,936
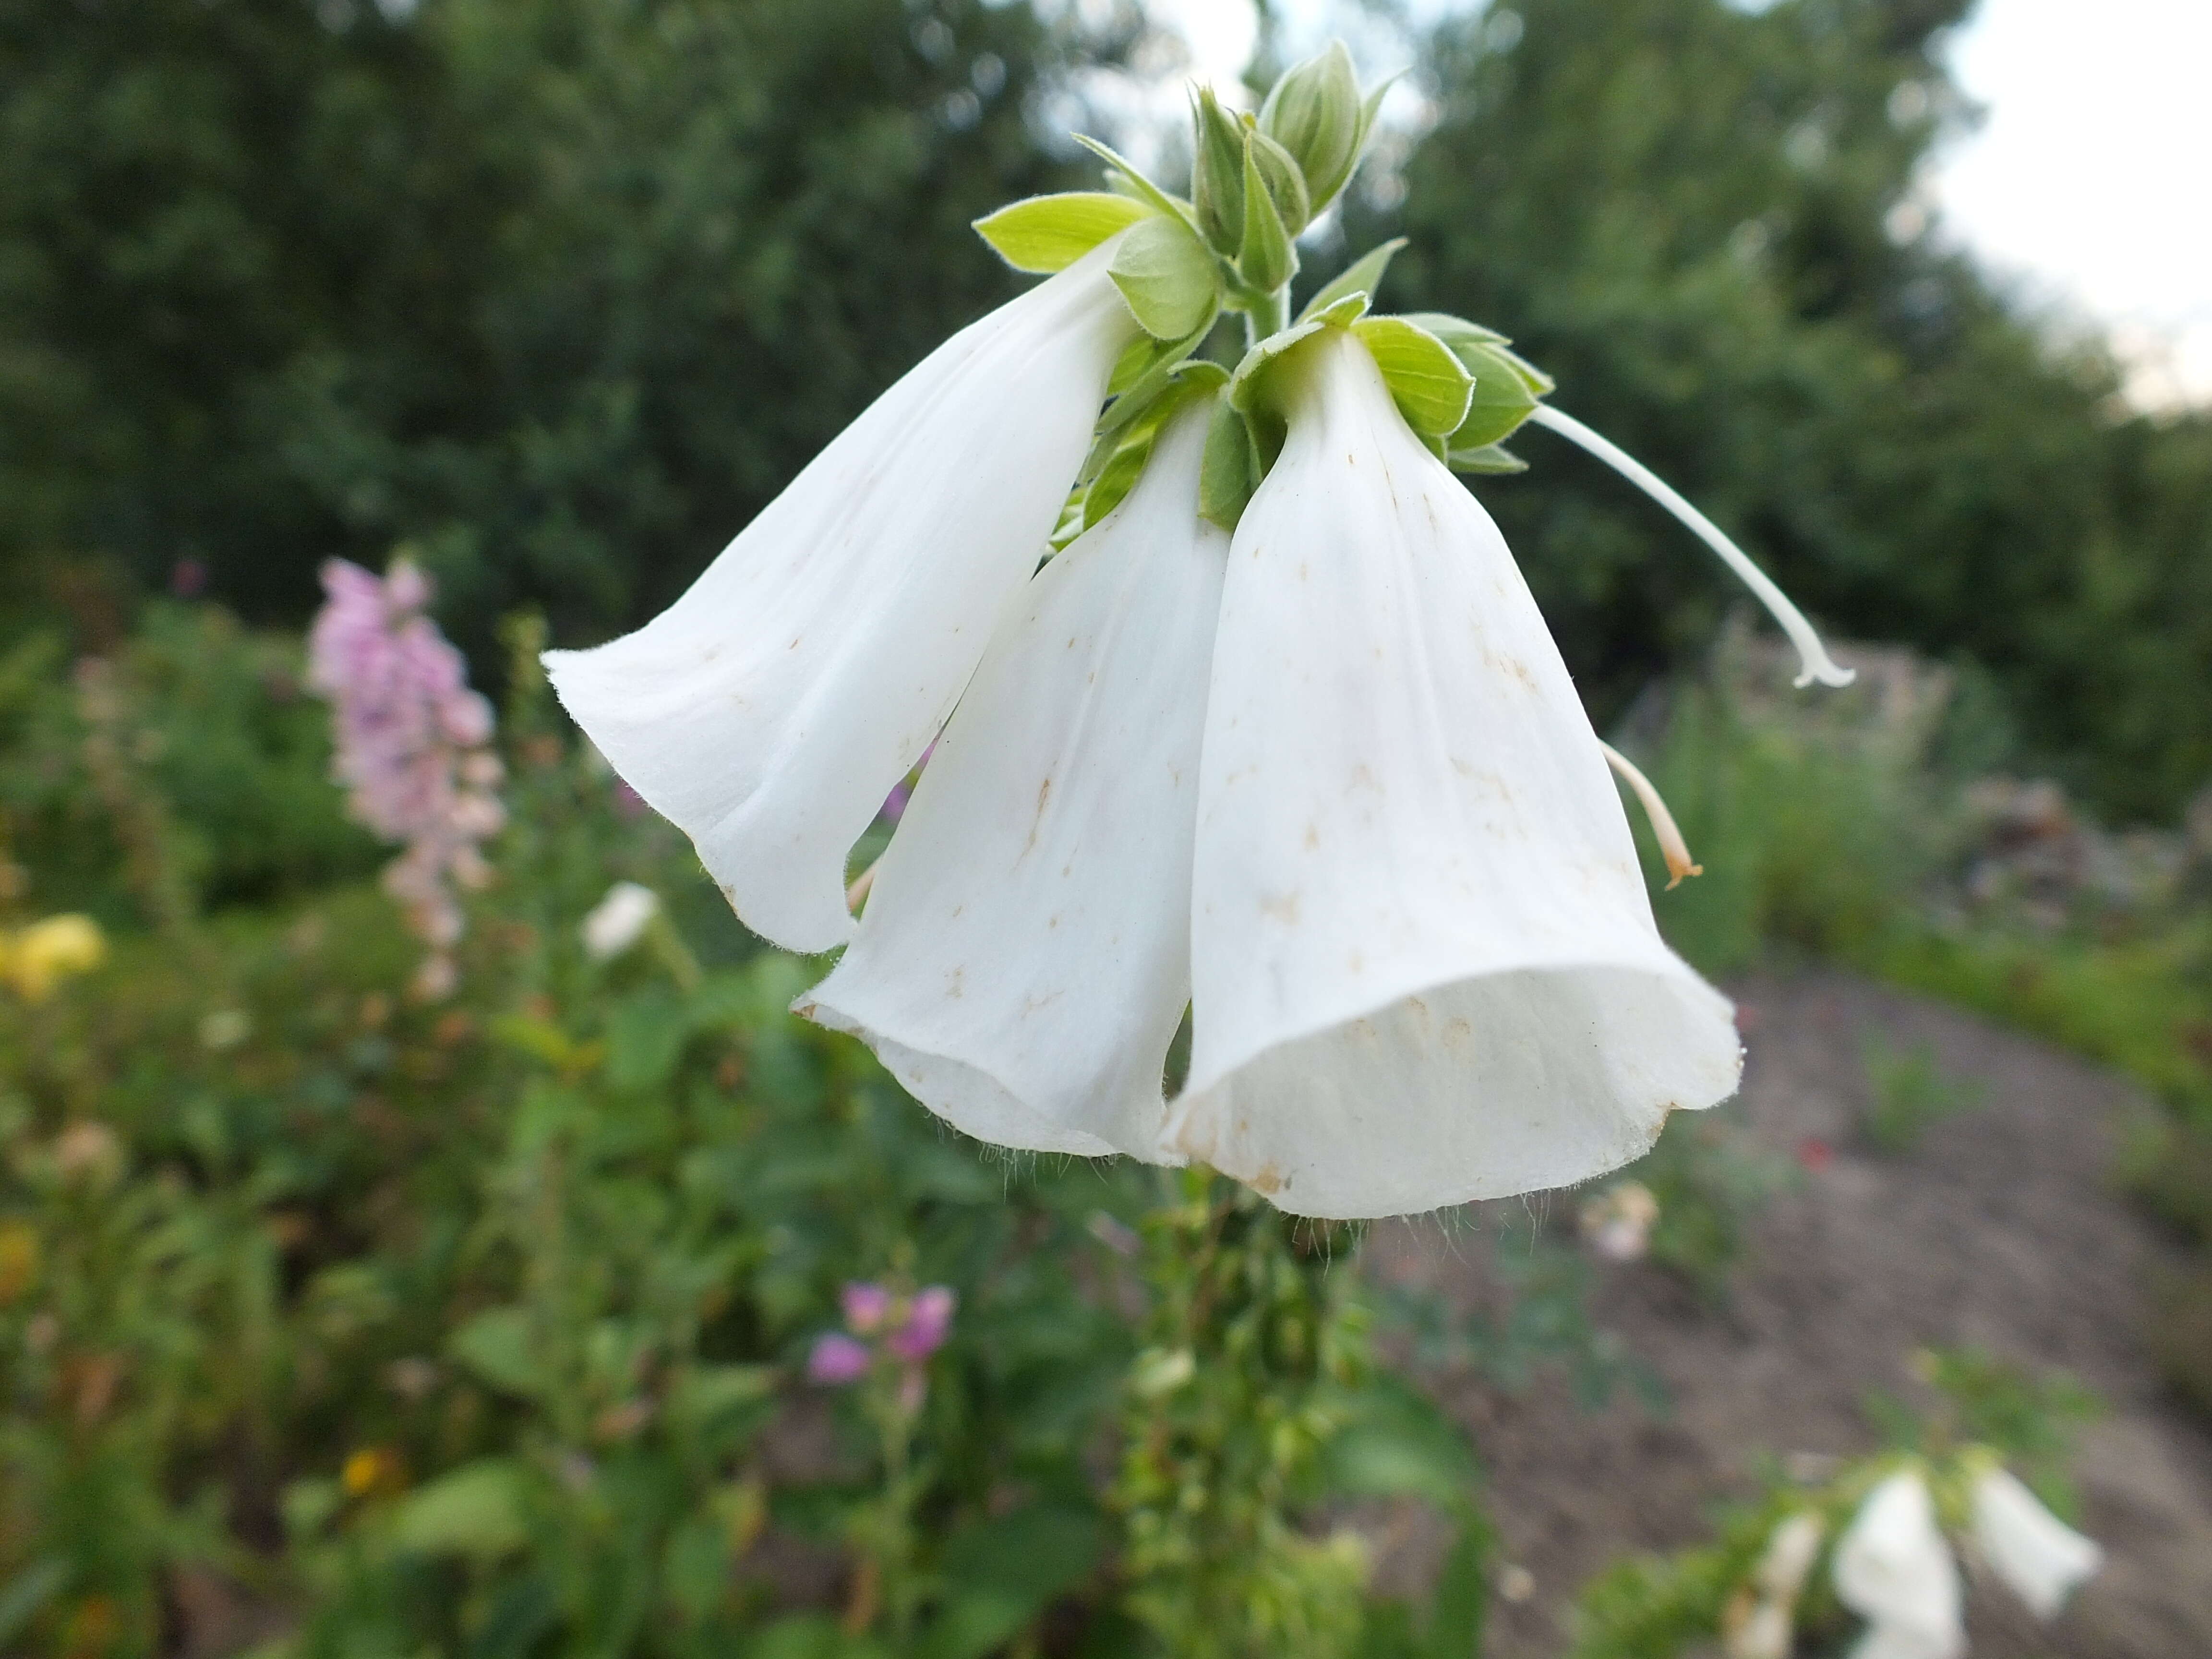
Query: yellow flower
19,1260
36,958
372,1471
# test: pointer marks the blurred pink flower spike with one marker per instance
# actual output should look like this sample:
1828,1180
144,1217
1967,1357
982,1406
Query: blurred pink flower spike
928,1322
866,1306
837,1361
769,711
410,745
1424,964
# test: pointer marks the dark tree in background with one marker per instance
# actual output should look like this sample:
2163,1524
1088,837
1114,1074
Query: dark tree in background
562,292
1700,219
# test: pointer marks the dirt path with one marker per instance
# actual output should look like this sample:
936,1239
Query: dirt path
1999,1230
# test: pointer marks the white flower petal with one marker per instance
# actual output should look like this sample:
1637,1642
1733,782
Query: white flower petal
2043,1558
1893,1569
1023,960
1791,1553
1424,960
768,710
617,921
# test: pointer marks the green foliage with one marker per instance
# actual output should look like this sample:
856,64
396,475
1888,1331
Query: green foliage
1911,1094
1711,1180
1683,209
564,293
480,1326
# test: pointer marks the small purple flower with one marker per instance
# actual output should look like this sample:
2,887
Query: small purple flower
866,1306
928,1322
837,1361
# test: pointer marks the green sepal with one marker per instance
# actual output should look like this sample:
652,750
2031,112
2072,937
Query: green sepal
1231,472
1315,113
1502,398
1431,385
1286,186
1168,365
1244,382
1363,275
1138,357
1132,444
1124,172
1166,276
1216,173
1490,458
1265,259
1456,332
1051,232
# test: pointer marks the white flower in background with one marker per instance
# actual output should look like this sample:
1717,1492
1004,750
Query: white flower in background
1024,956
768,711
1893,1569
1760,1622
2039,1556
618,920
1423,962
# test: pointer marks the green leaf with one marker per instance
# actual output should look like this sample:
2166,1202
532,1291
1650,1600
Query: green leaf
1231,472
645,1034
1265,259
1315,113
1167,277
1398,1445
476,1511
1051,232
1501,399
1431,385
1492,458
1363,275
495,1345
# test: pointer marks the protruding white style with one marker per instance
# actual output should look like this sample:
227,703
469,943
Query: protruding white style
1893,1569
767,711
1423,962
2039,1556
1024,959
619,920
1672,848
1814,662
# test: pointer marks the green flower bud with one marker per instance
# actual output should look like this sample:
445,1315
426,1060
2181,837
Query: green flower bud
1265,259
1217,172
1285,182
1314,112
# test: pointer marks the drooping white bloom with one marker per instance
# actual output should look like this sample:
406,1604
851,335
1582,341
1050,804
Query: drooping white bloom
1424,966
618,920
1024,959
2043,1558
1762,1622
768,710
1893,1569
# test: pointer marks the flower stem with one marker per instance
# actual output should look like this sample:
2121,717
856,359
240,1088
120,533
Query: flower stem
1268,313
1814,662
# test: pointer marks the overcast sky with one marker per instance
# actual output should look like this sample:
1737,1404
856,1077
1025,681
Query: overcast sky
2088,186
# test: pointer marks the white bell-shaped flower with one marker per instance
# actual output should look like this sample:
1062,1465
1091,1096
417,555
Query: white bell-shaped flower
767,711
1894,1569
2039,1556
1024,956
1423,961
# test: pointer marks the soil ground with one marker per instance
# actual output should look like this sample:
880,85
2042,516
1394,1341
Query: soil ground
1999,1228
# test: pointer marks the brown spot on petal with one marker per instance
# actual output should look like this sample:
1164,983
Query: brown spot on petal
1267,1180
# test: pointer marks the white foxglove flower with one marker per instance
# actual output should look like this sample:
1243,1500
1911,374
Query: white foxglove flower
1893,1569
618,920
768,710
1024,959
1761,1622
2043,1558
1423,962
